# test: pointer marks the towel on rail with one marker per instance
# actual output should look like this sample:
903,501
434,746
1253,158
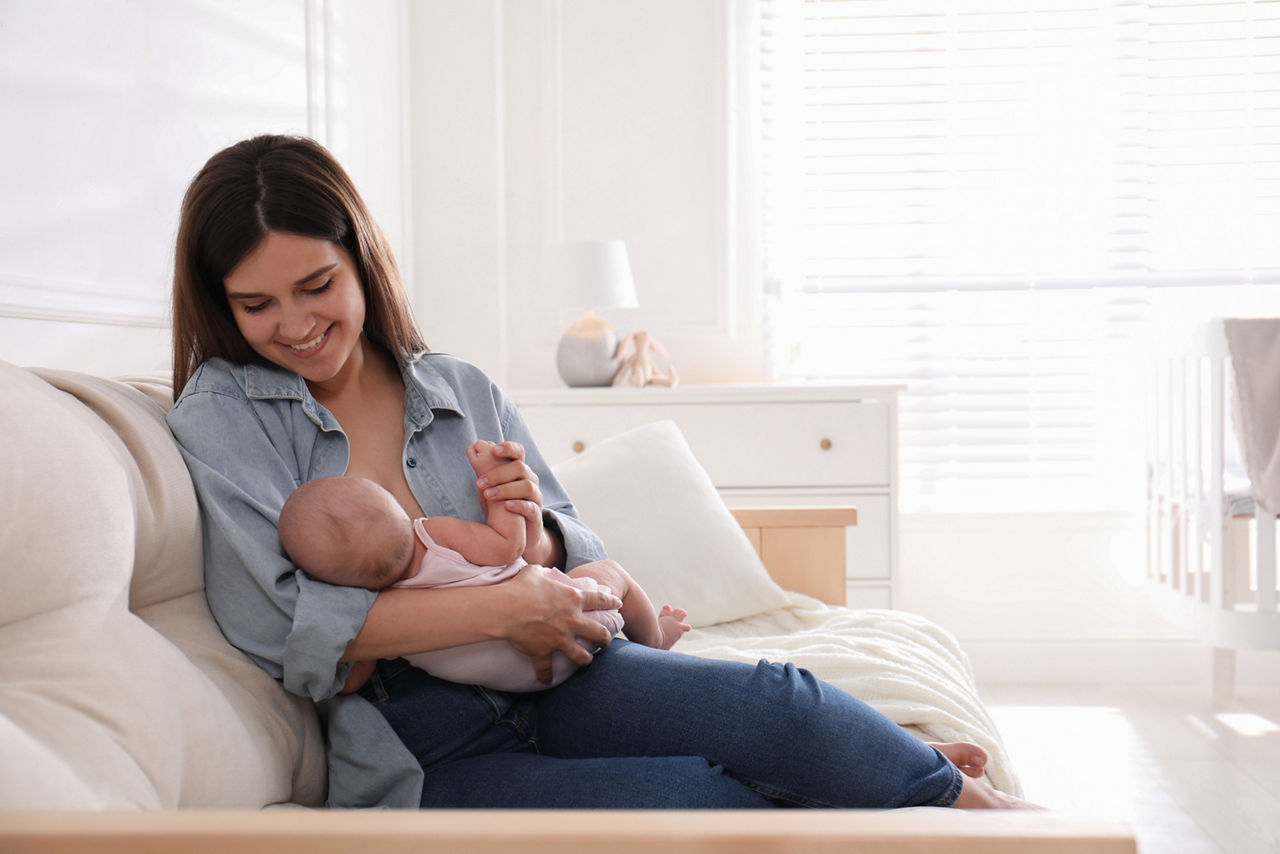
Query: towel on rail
1254,345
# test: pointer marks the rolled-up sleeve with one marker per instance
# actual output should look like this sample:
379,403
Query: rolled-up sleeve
292,626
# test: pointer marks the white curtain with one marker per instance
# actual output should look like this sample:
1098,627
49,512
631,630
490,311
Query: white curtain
995,202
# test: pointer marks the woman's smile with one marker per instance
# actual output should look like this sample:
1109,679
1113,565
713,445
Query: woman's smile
299,304
307,349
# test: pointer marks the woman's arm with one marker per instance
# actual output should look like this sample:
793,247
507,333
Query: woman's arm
245,458
537,615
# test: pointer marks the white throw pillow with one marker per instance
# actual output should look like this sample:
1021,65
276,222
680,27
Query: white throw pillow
653,504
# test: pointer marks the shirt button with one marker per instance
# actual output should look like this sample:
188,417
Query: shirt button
411,462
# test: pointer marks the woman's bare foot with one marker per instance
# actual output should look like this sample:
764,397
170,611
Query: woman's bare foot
977,792
673,625
968,757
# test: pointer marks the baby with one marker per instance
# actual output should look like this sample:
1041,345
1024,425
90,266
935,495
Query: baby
351,531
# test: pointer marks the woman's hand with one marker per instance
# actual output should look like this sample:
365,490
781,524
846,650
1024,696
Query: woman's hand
515,483
357,676
544,615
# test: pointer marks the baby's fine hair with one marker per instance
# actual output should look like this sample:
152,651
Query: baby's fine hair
332,530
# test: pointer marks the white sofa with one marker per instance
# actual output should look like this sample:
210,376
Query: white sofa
117,688
128,723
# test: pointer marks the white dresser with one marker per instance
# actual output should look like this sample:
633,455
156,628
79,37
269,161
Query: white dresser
763,445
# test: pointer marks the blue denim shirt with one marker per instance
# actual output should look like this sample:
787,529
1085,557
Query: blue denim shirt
250,435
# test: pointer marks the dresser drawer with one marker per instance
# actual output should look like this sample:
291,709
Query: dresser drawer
826,443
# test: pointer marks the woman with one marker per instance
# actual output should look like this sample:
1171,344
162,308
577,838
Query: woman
297,358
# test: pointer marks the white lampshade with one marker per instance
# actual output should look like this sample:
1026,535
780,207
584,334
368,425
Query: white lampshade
594,274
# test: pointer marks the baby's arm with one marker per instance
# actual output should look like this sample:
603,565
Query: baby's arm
507,523
497,543
483,545
642,623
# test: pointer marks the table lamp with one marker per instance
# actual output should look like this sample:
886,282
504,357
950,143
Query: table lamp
590,275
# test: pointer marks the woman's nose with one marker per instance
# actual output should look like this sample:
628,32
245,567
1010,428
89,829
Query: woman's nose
295,323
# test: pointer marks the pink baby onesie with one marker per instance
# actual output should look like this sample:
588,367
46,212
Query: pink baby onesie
494,663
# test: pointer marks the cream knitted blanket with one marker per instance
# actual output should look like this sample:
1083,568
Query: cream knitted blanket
906,666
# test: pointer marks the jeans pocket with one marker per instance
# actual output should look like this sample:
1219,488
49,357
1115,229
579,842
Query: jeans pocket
440,721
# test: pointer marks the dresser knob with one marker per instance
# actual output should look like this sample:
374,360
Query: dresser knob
579,447
825,444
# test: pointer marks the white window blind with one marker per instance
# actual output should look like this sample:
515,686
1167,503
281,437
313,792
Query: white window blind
991,202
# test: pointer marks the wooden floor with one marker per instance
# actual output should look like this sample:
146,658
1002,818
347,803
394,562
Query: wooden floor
1185,777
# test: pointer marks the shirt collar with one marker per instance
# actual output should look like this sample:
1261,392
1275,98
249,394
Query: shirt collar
264,382
425,389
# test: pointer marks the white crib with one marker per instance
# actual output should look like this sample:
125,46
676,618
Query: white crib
1211,553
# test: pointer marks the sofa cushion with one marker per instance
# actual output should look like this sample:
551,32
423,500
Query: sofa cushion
117,688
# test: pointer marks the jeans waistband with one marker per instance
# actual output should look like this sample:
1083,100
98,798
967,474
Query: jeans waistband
376,687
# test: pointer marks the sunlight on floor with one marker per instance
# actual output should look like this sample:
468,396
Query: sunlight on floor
1081,737
1188,778
1248,724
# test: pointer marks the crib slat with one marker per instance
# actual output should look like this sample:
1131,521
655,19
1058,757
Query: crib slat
1220,594
1193,470
1266,559
1178,473
1237,558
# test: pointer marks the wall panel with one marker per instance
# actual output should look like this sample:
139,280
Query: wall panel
111,107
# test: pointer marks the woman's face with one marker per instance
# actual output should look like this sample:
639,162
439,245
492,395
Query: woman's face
298,303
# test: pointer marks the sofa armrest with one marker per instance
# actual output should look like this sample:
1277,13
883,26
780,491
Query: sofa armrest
802,547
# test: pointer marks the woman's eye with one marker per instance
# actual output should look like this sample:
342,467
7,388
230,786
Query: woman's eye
254,308
321,289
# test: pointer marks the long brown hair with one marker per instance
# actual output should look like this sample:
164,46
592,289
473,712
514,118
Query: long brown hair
274,183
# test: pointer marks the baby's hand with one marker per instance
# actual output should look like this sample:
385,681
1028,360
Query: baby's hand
480,455
673,625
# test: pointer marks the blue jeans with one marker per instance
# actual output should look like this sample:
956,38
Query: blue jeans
645,728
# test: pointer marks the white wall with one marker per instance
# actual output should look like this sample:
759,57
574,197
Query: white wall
1052,597
458,271
542,120
526,121
110,108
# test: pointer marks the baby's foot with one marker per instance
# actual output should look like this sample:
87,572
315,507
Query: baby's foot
673,625
480,455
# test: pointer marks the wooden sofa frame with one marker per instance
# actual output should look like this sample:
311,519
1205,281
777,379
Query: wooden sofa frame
803,549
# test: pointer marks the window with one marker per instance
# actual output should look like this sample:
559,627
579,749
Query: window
997,204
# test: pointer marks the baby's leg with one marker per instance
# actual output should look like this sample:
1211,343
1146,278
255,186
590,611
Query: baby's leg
642,623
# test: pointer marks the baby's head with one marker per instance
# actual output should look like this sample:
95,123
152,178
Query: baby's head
347,530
